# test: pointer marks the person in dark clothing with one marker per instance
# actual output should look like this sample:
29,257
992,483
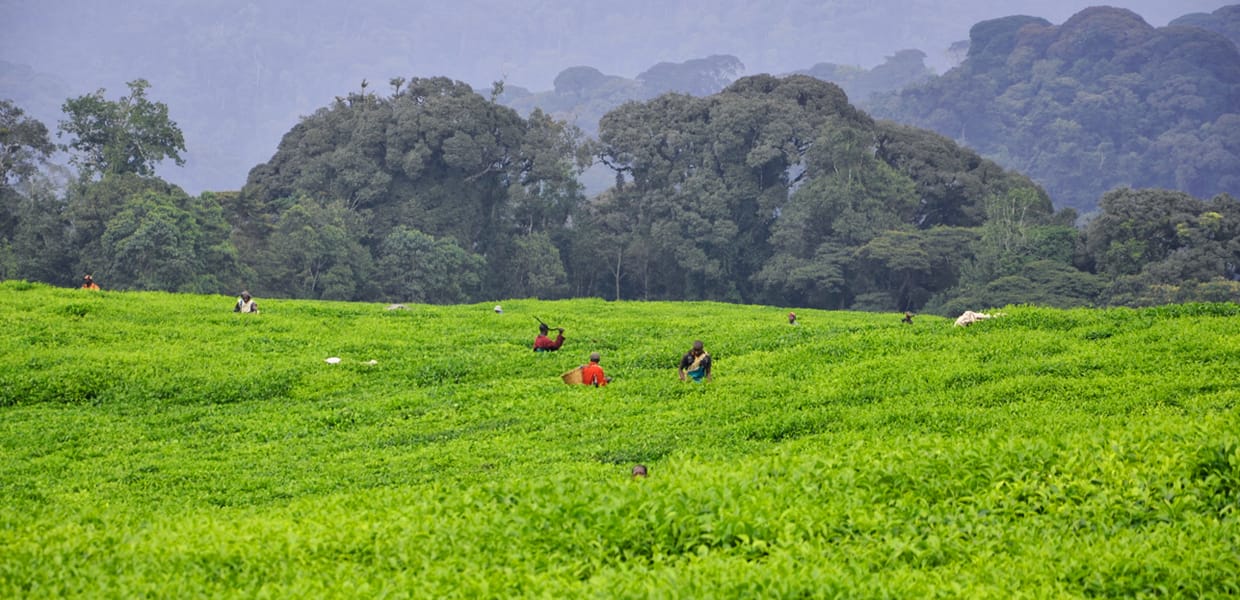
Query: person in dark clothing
543,343
908,318
695,363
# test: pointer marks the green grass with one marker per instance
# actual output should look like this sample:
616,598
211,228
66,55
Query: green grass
160,445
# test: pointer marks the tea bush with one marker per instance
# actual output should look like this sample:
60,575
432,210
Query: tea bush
160,445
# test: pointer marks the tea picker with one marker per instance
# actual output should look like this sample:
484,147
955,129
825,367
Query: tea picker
544,343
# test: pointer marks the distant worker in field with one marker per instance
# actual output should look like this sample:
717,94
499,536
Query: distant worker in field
695,363
592,374
639,471
543,343
792,318
908,318
245,304
88,283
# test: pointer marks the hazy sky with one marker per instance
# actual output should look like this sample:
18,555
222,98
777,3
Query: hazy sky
530,41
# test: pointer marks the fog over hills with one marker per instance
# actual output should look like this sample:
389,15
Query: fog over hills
237,74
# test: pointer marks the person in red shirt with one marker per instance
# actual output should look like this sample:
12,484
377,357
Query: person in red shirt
543,343
592,374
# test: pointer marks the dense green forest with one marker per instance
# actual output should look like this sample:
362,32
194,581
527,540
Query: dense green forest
1102,101
774,190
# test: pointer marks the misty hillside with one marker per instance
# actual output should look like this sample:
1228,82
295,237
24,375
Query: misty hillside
237,75
582,95
1225,21
1103,100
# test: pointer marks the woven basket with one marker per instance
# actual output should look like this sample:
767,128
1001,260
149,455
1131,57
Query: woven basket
572,377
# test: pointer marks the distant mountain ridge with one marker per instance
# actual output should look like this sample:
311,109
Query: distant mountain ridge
1225,21
583,94
1102,101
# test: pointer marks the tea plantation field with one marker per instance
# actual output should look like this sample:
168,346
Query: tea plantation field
160,445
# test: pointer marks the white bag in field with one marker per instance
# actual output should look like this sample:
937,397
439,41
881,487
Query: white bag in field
969,317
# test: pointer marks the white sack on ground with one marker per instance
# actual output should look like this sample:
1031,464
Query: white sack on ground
969,317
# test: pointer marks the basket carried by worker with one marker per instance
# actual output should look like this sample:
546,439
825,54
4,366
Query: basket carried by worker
572,377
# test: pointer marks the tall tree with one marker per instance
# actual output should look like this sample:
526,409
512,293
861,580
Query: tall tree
170,241
1023,253
129,135
1007,240
314,252
91,205
608,250
1145,241
546,192
25,210
24,144
436,158
415,267
37,245
1138,227
535,268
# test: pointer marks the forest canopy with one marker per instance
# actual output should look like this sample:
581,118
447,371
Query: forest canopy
1102,101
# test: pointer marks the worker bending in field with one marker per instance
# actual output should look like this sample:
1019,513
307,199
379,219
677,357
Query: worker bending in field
88,283
695,363
543,343
592,374
245,304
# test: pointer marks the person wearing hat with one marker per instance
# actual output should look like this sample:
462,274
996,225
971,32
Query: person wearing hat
245,304
695,363
88,283
792,318
543,343
592,374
